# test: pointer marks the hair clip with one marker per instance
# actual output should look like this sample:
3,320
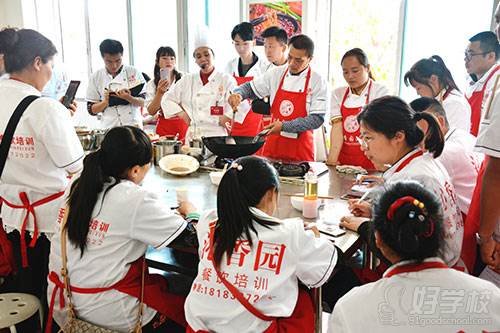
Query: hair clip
237,166
400,202
411,214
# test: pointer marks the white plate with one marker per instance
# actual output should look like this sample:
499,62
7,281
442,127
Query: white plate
179,165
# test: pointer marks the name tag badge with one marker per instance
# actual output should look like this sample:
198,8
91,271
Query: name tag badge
289,135
216,110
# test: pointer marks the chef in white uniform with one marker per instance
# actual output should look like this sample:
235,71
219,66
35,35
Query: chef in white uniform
431,78
109,90
44,151
418,293
390,136
200,98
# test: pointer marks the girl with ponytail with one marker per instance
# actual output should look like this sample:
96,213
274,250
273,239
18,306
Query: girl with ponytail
431,78
110,222
408,225
251,262
390,136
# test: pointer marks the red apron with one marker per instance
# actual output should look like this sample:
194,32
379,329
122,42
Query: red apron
156,293
351,153
471,226
171,127
476,101
253,121
287,106
301,319
30,209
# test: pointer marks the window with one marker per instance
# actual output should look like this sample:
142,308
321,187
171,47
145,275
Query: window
443,28
376,30
153,26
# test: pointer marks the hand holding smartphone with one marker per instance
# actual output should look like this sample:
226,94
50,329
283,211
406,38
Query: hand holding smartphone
70,94
165,74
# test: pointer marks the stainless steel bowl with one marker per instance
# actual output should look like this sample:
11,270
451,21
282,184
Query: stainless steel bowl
164,147
87,140
98,137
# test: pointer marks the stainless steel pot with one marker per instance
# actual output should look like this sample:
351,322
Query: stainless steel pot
90,139
165,147
98,137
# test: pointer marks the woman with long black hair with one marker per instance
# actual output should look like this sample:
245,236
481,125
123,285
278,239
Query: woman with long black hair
431,78
165,76
251,262
111,220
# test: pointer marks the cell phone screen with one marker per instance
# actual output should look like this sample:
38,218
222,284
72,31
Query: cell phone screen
164,73
70,94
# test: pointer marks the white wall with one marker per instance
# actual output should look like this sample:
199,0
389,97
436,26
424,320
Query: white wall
11,13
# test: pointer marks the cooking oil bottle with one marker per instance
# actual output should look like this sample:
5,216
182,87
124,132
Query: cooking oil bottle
310,205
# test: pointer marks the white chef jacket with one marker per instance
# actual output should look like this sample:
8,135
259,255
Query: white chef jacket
44,150
124,223
433,176
430,300
462,163
488,138
259,68
119,115
268,272
478,85
151,91
317,95
353,100
196,99
457,110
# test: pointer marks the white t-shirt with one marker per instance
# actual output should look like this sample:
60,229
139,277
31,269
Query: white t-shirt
267,273
119,115
457,110
123,225
151,91
462,163
479,84
353,100
317,94
430,300
45,149
433,176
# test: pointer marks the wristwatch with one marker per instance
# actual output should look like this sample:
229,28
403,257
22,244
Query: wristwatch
483,239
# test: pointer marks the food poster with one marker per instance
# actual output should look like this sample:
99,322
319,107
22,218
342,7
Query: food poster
284,14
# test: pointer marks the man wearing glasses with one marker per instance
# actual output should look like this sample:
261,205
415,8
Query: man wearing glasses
481,58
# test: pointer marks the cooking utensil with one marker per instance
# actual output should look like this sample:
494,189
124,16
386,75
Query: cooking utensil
178,164
261,134
244,146
164,147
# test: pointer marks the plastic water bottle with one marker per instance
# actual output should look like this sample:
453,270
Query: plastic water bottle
310,204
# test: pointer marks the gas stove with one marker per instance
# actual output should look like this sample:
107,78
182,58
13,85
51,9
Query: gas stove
284,169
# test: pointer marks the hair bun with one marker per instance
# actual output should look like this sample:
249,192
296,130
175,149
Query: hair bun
8,39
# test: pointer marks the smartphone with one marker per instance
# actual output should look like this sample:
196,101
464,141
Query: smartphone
70,94
164,73
331,230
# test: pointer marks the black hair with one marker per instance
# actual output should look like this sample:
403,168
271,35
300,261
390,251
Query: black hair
429,104
390,114
302,42
244,30
21,47
361,56
277,32
422,70
413,232
488,42
239,190
122,148
110,46
211,50
161,52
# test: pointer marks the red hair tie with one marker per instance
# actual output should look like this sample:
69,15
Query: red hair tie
400,202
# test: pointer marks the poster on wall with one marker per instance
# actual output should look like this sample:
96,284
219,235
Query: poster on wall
284,14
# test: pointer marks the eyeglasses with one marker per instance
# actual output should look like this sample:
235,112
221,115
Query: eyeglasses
468,55
363,141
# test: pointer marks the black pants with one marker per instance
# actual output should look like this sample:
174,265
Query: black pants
32,279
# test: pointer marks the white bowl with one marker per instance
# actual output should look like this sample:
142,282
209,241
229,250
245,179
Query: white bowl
298,202
179,165
215,177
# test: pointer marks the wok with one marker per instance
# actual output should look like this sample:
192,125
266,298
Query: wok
244,145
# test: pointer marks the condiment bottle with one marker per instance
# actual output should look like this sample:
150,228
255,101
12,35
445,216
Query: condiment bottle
310,204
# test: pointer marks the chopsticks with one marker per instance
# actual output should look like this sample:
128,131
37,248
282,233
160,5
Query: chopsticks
302,194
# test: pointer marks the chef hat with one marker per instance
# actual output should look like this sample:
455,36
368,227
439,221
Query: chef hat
201,37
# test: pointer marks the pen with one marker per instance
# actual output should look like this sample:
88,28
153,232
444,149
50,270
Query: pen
363,197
